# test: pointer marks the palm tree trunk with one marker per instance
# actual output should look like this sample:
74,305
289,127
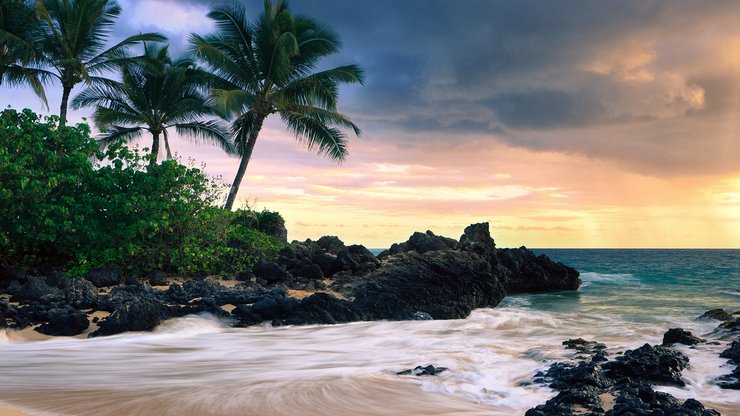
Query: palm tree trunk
155,148
65,103
248,148
167,148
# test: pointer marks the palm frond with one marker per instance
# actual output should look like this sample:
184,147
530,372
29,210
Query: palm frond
211,131
317,136
119,134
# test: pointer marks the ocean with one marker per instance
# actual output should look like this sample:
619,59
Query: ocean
199,366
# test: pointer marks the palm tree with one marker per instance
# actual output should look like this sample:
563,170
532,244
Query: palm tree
155,94
265,68
70,44
18,26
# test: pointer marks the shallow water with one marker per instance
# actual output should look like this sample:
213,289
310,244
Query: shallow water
198,366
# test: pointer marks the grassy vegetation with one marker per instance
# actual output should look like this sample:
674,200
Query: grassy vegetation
66,203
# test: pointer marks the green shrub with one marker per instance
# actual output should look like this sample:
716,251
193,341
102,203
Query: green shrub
61,208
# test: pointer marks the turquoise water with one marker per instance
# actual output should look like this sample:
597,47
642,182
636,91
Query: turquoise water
644,285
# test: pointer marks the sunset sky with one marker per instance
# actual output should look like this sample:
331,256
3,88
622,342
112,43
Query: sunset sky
562,123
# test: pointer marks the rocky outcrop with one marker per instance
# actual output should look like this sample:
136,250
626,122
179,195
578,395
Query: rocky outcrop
732,354
716,314
420,371
426,277
680,336
421,243
618,387
444,284
654,364
531,274
105,276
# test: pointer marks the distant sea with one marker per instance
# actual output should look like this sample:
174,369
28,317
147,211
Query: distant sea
198,365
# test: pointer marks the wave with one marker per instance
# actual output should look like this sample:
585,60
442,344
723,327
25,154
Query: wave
730,292
608,277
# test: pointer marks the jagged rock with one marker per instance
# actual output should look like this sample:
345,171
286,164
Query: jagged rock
330,243
322,308
641,399
532,274
80,293
732,380
355,259
12,274
717,314
64,322
444,284
429,370
421,243
8,313
679,336
105,276
35,289
565,376
273,306
476,238
133,308
157,278
649,363
271,272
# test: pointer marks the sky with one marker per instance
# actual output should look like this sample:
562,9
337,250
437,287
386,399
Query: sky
561,123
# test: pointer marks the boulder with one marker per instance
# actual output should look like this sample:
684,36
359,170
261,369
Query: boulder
322,308
12,274
330,243
649,363
732,353
105,276
680,336
716,314
133,308
355,259
271,272
35,289
157,278
532,274
429,370
443,284
80,293
64,322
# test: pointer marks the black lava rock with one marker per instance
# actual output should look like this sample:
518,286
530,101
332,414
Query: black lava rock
716,314
649,363
444,284
680,336
105,276
64,322
429,370
271,272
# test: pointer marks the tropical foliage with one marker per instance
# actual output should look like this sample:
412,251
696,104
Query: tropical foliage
266,67
156,93
60,208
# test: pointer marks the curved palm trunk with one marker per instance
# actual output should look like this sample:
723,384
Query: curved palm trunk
167,148
243,164
155,148
63,109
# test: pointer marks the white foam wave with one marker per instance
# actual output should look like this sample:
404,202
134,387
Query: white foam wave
607,277
730,292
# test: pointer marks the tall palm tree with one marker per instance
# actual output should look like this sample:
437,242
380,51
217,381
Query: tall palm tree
70,44
18,26
156,93
266,67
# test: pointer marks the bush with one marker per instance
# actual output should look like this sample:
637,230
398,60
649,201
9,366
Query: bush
61,208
